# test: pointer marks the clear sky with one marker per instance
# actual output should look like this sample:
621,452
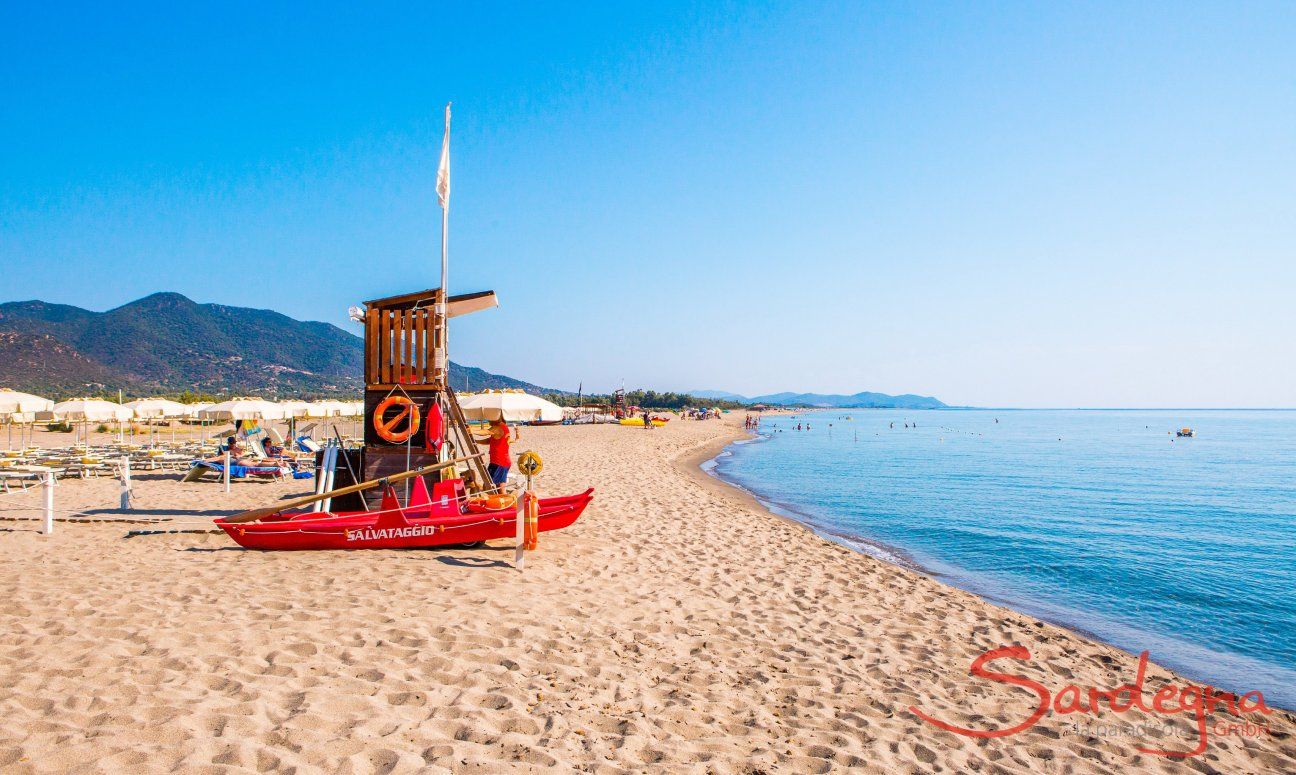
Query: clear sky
1033,204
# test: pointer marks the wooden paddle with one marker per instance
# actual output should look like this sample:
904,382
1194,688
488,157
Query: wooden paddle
255,514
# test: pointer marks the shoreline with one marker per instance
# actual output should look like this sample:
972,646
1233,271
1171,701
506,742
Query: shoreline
886,553
894,555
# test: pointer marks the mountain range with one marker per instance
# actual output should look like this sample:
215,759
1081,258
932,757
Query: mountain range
863,400
167,343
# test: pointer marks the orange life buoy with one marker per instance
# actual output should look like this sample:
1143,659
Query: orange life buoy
492,502
531,528
386,428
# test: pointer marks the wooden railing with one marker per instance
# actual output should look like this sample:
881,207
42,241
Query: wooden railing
401,347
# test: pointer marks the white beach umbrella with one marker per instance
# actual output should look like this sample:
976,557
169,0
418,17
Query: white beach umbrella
243,409
355,411
91,410
20,408
22,420
88,410
13,402
511,406
294,408
192,410
328,408
317,409
157,408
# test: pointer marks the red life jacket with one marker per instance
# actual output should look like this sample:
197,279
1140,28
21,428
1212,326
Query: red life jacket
434,430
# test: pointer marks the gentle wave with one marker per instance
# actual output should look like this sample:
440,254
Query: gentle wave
1096,521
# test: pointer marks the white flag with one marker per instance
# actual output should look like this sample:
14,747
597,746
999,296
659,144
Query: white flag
443,171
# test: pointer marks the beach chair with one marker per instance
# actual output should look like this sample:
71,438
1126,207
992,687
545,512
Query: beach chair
198,469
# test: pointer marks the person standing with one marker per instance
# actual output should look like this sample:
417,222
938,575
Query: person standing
497,446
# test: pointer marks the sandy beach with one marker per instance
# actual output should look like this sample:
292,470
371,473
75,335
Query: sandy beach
678,626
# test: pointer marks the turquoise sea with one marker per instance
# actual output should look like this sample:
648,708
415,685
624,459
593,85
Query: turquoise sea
1101,521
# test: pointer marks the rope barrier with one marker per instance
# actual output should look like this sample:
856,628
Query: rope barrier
6,495
86,520
91,517
42,508
203,527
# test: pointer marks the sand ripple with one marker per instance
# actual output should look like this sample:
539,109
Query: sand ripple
675,628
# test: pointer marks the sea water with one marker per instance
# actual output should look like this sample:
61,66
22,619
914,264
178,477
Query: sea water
1102,521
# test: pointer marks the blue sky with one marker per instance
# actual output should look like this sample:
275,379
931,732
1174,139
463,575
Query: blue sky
997,204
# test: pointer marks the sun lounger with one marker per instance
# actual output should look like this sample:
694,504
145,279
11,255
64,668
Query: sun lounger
200,468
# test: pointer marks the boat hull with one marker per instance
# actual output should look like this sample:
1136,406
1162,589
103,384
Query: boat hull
411,527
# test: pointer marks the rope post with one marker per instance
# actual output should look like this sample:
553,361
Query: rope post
47,524
528,522
125,483
519,557
225,475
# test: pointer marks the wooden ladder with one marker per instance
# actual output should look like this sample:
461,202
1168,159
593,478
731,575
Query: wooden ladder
464,443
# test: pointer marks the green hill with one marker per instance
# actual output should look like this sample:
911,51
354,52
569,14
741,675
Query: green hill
168,343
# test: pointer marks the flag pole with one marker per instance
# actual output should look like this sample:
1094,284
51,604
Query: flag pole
443,195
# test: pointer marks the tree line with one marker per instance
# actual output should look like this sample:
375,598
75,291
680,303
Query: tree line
648,399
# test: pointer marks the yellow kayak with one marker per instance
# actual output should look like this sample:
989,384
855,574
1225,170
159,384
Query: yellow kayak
637,422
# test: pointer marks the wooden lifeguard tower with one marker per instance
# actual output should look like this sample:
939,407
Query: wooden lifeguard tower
406,371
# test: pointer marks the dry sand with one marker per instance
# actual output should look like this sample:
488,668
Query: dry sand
676,627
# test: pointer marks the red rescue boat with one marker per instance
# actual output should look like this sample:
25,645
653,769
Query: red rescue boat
443,519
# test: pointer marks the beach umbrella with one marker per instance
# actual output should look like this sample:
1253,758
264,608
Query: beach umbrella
13,402
357,413
91,410
18,407
157,409
510,406
246,409
23,420
88,410
243,409
324,409
192,411
293,408
329,408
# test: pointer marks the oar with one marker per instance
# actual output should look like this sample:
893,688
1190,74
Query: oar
255,514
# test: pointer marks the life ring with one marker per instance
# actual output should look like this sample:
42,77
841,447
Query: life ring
494,502
386,428
529,463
